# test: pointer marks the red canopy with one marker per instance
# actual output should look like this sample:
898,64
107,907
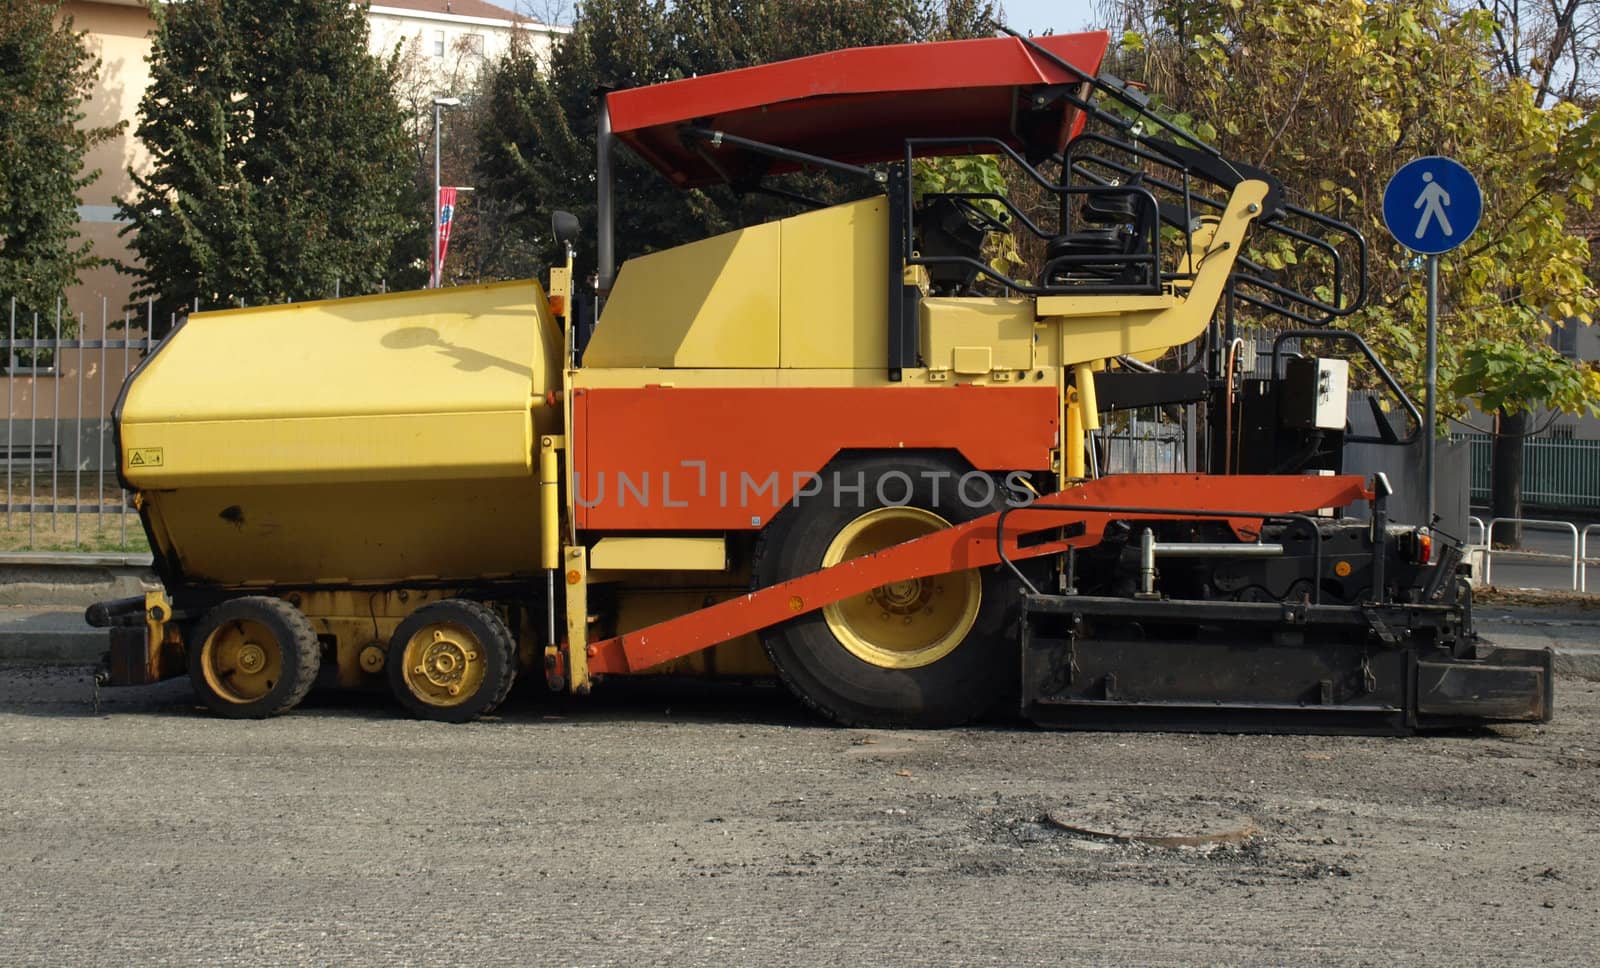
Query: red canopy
857,105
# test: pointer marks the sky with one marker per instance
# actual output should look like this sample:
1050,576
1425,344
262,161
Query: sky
1038,16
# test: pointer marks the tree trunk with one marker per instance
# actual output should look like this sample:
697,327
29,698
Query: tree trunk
1505,474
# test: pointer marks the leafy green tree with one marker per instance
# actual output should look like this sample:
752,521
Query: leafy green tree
279,158
46,74
1333,97
537,139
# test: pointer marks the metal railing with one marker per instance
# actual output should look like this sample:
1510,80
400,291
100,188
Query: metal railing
1576,557
1583,557
59,450
1473,521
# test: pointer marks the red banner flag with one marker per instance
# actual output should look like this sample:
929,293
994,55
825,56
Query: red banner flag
447,211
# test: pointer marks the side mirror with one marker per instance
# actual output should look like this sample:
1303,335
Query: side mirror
564,226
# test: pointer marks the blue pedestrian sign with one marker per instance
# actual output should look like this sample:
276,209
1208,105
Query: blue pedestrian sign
1431,205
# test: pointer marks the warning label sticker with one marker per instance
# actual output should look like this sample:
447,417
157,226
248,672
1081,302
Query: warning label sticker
144,457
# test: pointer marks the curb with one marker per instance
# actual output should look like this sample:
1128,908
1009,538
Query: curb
1581,662
44,580
74,559
32,648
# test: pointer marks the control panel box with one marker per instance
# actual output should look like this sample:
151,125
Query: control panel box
1315,393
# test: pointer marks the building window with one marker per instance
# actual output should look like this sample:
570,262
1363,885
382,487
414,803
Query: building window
1564,337
472,44
31,361
438,43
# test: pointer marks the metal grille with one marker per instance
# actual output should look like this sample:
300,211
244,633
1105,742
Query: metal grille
1560,474
58,450
1144,444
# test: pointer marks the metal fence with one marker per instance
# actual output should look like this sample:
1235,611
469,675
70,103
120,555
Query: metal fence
1144,444
59,450
1559,474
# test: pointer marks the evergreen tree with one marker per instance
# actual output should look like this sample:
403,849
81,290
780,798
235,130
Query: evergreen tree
537,136
45,75
279,158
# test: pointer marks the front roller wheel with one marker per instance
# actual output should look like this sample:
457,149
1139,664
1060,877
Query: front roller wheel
254,657
452,661
920,652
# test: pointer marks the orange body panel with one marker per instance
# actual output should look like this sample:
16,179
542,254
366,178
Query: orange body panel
975,545
727,459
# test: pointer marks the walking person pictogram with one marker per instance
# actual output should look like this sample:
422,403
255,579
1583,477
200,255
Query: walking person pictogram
1432,201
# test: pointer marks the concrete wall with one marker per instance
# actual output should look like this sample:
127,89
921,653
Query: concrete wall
1404,466
67,445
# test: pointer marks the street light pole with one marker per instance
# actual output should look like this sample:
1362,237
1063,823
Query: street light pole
439,104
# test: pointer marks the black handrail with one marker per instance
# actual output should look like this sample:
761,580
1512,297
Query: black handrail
1076,164
1151,256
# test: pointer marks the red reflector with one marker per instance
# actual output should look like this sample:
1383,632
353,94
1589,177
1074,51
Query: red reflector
1424,548
558,305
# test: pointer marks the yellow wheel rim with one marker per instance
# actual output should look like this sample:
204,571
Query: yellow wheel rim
903,624
241,661
443,664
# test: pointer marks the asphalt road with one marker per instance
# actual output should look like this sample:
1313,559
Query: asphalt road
688,825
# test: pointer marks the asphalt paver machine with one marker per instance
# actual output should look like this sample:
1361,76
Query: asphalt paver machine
846,447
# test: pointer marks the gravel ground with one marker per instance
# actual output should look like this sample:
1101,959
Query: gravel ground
697,825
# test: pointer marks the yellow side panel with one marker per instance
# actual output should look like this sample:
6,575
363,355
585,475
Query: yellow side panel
659,554
435,384
391,533
300,450
834,290
953,328
1104,305
712,303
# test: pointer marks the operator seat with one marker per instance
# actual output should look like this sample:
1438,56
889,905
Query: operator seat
947,231
1120,220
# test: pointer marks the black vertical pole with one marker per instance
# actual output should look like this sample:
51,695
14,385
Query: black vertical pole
902,298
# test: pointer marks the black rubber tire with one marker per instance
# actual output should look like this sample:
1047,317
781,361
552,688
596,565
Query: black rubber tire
295,639
823,673
493,637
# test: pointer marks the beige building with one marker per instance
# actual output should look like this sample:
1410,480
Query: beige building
453,37
117,32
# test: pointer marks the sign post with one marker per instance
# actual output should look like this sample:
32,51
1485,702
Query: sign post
1430,206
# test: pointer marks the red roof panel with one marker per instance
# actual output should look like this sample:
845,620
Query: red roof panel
857,105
